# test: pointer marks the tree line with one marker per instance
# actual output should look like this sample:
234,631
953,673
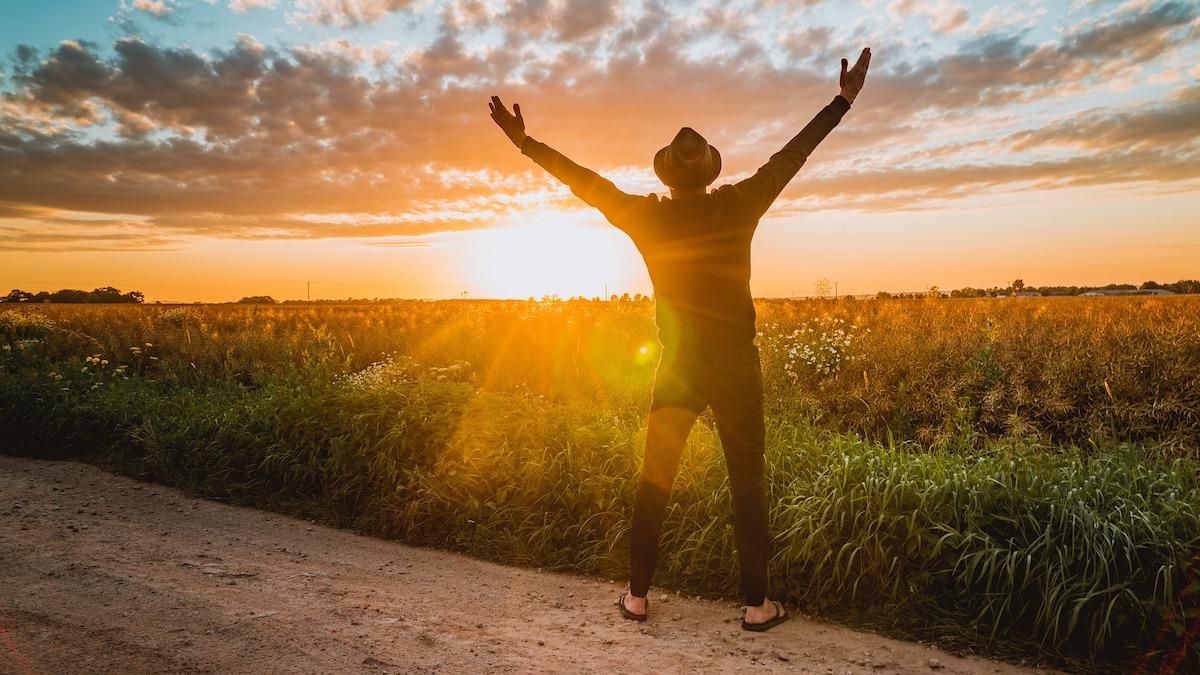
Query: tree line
1018,287
1183,286
106,294
109,294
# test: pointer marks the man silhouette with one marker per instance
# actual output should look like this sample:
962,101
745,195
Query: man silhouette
696,246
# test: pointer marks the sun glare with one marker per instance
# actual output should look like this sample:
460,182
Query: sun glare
552,259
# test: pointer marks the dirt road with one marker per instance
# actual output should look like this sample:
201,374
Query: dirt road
103,574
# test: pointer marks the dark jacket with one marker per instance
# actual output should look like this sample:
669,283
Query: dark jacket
698,249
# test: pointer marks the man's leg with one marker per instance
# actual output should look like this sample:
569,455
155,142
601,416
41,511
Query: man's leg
666,434
737,404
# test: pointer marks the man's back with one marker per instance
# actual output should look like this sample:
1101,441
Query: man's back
697,249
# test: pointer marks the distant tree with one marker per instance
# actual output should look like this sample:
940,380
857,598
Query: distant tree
111,295
883,295
1017,286
823,288
257,300
71,295
106,294
968,292
933,292
1151,285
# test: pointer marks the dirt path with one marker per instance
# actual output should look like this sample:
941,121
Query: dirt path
105,574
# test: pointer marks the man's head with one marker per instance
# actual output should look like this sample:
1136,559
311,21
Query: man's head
688,163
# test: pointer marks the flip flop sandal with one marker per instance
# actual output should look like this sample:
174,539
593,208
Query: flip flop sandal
781,615
628,614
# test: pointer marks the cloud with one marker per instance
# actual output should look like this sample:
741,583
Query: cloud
582,18
1171,125
340,139
908,188
944,15
346,13
243,6
156,8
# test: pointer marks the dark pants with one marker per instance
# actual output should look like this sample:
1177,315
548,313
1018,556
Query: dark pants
682,389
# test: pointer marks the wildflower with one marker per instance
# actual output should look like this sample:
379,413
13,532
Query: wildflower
83,369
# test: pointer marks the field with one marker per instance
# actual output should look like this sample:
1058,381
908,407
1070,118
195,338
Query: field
1014,475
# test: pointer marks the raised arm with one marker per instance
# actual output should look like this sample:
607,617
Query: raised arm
757,192
586,184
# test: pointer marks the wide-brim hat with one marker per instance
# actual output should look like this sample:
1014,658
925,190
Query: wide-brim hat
688,162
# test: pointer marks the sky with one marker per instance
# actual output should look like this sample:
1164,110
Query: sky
210,149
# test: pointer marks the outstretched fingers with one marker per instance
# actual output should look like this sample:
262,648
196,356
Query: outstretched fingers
864,60
842,77
496,106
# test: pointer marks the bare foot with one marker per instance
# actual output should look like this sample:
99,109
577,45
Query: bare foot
760,613
635,604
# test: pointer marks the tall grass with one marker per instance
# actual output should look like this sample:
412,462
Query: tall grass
1059,370
466,438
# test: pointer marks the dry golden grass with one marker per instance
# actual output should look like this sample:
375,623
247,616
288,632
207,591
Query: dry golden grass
940,372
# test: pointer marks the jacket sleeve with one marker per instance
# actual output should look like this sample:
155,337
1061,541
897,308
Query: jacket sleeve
591,187
756,193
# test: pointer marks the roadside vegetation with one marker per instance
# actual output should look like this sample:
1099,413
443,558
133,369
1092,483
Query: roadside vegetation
1017,476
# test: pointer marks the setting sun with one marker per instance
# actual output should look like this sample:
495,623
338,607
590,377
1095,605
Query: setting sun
548,259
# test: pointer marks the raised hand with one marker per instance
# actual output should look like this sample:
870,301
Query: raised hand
512,125
852,80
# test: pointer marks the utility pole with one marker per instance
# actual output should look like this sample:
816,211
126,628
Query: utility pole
835,290
308,284
606,291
